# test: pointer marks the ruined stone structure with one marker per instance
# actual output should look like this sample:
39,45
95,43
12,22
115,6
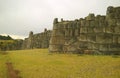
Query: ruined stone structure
40,40
93,34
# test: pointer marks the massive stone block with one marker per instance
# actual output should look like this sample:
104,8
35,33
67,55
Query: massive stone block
83,37
98,29
90,17
117,29
83,29
90,29
91,37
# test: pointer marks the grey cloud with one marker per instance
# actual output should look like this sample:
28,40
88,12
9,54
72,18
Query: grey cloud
21,16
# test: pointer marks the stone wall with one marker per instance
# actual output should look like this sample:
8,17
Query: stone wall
93,34
40,40
64,33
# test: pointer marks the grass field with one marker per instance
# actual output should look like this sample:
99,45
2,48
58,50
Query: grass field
3,61
39,63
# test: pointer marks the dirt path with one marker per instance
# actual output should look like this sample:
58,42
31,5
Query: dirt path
11,72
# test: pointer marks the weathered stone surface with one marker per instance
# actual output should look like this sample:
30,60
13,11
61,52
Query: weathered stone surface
110,29
83,37
98,29
91,37
92,34
103,47
82,22
55,21
96,46
90,30
83,29
40,40
115,39
117,30
90,17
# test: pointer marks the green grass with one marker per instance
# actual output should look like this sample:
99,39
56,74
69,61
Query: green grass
10,41
39,63
3,60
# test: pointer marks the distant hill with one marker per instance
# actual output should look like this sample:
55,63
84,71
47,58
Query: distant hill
5,37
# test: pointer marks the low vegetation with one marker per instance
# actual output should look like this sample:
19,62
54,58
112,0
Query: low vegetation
5,43
10,45
39,63
5,37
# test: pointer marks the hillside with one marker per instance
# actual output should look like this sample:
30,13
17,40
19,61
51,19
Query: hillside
5,37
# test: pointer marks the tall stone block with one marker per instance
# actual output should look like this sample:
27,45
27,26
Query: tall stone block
83,29
98,29
91,16
82,22
55,21
91,37
83,37
90,30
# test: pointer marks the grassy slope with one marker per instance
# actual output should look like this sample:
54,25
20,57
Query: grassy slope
39,63
9,41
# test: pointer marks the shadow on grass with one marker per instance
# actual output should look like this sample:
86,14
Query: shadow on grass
50,53
80,54
115,56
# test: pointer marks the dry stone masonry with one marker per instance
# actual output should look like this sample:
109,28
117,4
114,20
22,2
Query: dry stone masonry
40,40
93,34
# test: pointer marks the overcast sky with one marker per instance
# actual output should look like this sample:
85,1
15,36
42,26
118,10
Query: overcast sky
18,17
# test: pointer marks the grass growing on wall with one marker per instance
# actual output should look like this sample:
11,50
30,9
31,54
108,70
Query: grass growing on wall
39,63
